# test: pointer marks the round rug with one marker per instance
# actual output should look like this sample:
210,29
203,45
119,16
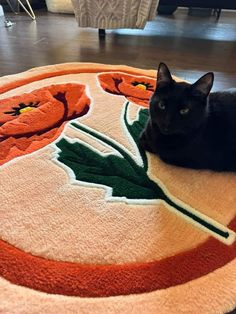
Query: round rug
91,223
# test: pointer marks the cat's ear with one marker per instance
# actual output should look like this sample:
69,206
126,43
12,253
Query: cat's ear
163,76
204,84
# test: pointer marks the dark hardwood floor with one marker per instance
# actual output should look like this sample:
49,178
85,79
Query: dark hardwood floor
189,45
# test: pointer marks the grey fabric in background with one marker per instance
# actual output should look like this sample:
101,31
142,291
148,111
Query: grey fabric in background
110,14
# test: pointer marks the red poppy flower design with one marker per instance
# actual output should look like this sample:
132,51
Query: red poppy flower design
31,121
137,89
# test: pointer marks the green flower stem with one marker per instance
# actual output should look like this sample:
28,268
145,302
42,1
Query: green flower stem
141,151
197,219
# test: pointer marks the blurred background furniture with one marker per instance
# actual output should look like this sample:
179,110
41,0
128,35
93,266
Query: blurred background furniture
222,4
165,6
60,6
15,5
114,14
169,6
105,14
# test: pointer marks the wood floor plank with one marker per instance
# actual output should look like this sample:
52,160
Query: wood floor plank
189,45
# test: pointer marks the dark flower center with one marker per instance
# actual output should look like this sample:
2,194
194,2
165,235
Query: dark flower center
22,108
143,85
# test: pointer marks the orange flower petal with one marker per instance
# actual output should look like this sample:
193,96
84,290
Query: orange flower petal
108,82
31,121
12,147
132,91
128,86
75,96
47,116
140,102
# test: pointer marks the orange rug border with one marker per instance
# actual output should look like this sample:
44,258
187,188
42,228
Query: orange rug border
74,279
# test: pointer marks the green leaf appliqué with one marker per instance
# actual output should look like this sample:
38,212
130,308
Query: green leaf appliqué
125,177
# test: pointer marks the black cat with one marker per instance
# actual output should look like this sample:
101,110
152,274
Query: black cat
190,127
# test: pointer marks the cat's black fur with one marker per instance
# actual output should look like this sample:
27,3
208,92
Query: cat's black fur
202,138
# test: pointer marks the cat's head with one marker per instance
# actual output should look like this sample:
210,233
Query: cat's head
179,108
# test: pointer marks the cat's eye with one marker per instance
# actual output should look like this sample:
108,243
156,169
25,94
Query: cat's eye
161,105
184,111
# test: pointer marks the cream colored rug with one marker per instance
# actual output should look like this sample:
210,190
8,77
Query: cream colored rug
90,223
